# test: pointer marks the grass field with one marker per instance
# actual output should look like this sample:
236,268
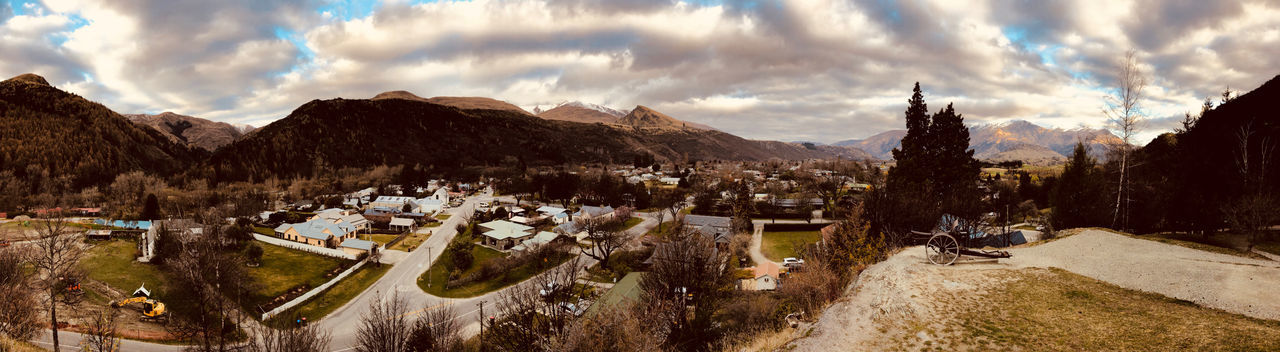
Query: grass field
443,216
438,274
627,225
264,231
113,263
340,294
1272,247
381,239
664,226
1055,310
779,245
411,242
283,269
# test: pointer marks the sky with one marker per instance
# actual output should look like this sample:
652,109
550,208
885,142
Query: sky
804,70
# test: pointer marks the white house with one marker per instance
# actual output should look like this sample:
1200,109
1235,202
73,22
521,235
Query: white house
393,202
402,224
670,180
764,276
504,235
429,205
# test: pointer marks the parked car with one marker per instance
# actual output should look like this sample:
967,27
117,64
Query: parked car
791,261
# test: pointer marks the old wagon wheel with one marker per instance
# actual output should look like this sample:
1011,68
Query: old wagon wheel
942,249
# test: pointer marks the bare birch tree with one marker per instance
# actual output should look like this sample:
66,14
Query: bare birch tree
535,315
436,330
1125,117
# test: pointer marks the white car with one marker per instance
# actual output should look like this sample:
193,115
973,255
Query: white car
790,261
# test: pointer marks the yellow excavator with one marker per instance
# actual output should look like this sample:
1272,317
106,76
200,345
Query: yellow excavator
152,310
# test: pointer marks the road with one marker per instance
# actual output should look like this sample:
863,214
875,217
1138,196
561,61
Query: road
401,279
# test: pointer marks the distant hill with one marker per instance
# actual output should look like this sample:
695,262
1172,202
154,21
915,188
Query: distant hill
476,103
192,131
57,134
879,145
1013,140
399,94
644,117
581,112
321,135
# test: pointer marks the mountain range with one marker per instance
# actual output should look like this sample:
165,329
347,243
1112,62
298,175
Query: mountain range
1013,140
192,131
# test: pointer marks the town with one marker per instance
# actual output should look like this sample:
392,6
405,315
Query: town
635,176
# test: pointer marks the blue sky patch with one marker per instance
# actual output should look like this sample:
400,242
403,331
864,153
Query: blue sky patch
349,9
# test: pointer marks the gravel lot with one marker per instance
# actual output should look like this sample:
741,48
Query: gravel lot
1231,283
906,288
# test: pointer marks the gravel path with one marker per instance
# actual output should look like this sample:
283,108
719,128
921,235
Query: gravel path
1231,283
905,287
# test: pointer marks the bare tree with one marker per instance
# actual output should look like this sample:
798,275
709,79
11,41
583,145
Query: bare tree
605,238
436,330
54,257
212,279
536,314
19,310
1254,211
289,336
1125,117
614,329
101,330
687,272
384,325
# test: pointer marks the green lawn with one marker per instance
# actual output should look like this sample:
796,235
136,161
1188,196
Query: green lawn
338,295
664,226
381,239
433,224
266,231
112,262
1272,247
439,274
779,245
283,269
411,242
627,225
443,216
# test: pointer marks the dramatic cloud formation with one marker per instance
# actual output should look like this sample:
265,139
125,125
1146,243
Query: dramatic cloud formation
819,70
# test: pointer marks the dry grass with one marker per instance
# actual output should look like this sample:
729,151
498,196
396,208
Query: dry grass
1055,310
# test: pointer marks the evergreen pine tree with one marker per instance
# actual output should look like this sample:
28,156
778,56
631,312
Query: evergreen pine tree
1077,198
912,155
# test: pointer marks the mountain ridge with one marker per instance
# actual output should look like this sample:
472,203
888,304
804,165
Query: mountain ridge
189,130
1010,140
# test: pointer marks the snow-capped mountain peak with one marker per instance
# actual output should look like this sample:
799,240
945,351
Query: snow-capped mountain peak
596,107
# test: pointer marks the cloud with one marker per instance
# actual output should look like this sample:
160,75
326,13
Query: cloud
822,70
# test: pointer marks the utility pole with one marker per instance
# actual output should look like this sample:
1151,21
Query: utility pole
481,304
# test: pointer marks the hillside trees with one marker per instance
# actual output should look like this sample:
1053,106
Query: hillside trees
1077,198
935,172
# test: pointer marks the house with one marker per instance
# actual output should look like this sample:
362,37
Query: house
380,215
441,194
624,292
591,213
503,235
542,238
403,224
670,180
828,232
97,234
317,232
4,215
719,228
339,216
391,202
356,247
554,213
523,220
428,205
764,277
183,228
